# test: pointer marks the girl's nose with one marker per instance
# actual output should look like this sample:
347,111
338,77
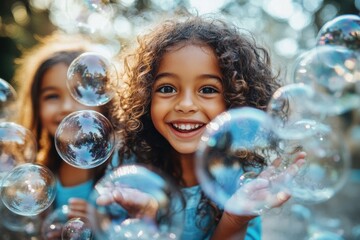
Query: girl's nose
69,104
186,103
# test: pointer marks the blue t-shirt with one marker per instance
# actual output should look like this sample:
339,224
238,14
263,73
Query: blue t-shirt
63,194
192,221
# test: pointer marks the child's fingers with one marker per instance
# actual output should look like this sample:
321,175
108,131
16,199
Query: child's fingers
105,199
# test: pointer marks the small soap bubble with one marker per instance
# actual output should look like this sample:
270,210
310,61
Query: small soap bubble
85,139
92,79
28,189
90,16
77,229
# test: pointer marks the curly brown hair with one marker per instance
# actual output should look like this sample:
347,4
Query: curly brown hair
248,80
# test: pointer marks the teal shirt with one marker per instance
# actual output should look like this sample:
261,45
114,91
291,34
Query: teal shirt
63,194
191,230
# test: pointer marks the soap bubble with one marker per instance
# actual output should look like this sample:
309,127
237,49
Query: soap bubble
77,229
92,79
333,73
8,97
232,157
292,107
327,163
17,146
343,30
52,225
85,139
28,189
138,186
90,16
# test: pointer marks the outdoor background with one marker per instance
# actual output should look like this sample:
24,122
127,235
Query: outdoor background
287,27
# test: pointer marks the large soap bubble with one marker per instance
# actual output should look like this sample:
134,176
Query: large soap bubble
28,189
17,146
138,187
343,30
333,73
85,139
232,157
8,96
92,79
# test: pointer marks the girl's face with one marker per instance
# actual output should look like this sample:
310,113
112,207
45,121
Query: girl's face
55,100
187,95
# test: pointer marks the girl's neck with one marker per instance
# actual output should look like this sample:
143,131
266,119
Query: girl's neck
71,176
187,162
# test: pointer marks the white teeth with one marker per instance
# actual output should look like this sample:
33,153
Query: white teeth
187,126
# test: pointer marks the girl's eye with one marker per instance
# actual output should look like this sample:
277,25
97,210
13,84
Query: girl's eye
208,90
166,89
50,96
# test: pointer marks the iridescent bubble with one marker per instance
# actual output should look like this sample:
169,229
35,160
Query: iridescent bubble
29,225
85,139
77,229
333,73
293,104
236,147
343,30
52,225
28,189
90,16
7,99
92,79
151,205
17,146
327,164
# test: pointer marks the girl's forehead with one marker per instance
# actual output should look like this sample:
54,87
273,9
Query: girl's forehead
185,43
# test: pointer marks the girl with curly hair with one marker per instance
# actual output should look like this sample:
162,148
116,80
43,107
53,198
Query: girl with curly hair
181,76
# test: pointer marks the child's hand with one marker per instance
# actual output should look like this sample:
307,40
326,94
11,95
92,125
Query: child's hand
78,208
266,191
138,204
253,197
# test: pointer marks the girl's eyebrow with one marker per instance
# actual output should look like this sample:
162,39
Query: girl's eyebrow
47,89
203,76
